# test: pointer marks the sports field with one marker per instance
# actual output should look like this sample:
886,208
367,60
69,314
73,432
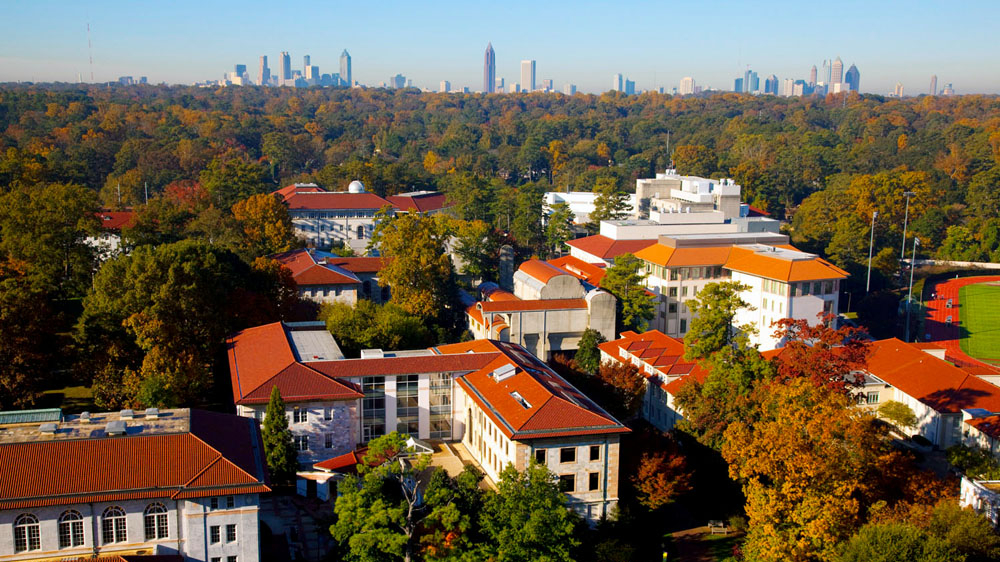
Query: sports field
980,320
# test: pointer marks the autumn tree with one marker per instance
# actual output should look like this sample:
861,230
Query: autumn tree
694,160
627,385
266,223
713,312
824,355
25,332
624,280
477,245
418,269
661,475
282,458
233,178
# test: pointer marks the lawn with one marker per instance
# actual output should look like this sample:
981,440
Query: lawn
72,399
980,321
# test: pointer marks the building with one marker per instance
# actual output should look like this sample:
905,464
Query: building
503,404
323,277
687,86
490,70
751,82
325,219
286,69
547,85
788,87
836,72
738,85
629,88
897,92
812,76
528,75
421,202
933,90
671,193
569,89
108,242
397,82
547,312
581,203
616,83
771,85
345,69
948,90
602,250
172,482
853,79
264,73
445,87
499,85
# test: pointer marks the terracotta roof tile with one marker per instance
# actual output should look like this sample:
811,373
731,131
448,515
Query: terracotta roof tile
308,270
682,257
540,270
421,202
115,220
744,259
334,200
346,463
580,269
608,248
654,347
989,425
285,192
520,305
404,365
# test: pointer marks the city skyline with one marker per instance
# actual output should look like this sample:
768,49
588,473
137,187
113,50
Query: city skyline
47,41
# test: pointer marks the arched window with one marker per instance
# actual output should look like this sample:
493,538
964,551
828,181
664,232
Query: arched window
70,529
113,527
155,522
26,533
361,232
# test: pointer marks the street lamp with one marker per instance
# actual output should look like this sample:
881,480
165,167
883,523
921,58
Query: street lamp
871,244
902,247
916,241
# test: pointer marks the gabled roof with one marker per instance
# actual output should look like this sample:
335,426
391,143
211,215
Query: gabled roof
115,220
781,264
308,268
346,463
988,425
288,191
540,270
327,200
207,453
668,256
936,383
403,365
608,248
359,264
522,305
533,402
419,201
584,271
662,352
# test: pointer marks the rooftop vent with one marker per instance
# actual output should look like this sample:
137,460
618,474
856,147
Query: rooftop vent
372,354
116,427
505,371
152,412
126,414
85,417
49,428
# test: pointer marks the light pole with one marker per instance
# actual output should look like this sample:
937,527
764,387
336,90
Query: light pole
871,244
906,216
916,241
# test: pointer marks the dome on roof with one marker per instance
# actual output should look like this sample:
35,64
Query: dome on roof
356,187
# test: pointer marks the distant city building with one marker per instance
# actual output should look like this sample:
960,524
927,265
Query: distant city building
305,64
687,86
264,73
799,88
948,90
528,75
826,72
788,87
837,72
629,87
445,87
812,76
547,84
490,71
569,89
398,82
751,83
499,85
853,78
771,85
616,83
738,85
933,91
345,68
897,92
514,88
286,67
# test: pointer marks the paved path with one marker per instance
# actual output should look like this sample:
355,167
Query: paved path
937,327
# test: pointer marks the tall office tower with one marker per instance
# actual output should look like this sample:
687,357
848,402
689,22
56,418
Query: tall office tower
398,81
240,69
345,68
687,86
826,72
754,83
445,87
264,74
948,90
616,83
853,78
547,84
933,91
499,87
771,85
569,89
312,73
286,66
305,64
738,85
837,72
898,90
527,76
490,70
629,87
513,88
788,88
812,76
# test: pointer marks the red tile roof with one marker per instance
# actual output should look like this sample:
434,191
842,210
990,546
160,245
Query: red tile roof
288,191
607,248
307,269
746,260
420,201
552,407
934,382
540,270
580,269
520,305
989,425
216,451
404,365
669,256
346,463
662,352
334,200
115,220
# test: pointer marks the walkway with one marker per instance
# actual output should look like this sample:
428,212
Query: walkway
937,328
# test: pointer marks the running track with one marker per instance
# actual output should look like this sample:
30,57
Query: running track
938,312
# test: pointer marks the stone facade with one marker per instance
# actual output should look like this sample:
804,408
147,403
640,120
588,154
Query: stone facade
321,423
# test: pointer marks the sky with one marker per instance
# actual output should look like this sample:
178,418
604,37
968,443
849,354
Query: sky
654,43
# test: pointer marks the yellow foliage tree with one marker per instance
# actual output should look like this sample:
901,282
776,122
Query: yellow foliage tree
419,270
266,223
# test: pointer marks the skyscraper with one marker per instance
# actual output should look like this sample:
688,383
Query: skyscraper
812,76
240,69
264,74
933,91
345,68
629,87
286,67
305,65
837,72
853,78
445,87
569,89
490,70
499,85
687,86
738,85
771,84
398,82
616,83
826,72
528,76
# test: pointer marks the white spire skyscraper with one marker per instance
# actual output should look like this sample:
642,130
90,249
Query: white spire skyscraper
812,76
616,83
527,76
489,70
345,68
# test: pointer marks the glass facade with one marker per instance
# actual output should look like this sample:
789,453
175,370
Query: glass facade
440,406
373,408
407,406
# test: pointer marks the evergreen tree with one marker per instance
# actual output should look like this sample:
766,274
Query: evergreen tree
588,356
713,311
624,280
281,456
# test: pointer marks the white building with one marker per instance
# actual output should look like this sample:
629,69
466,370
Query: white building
581,203
323,277
173,482
686,87
324,218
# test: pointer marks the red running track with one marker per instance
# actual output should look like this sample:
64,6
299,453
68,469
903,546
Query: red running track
935,324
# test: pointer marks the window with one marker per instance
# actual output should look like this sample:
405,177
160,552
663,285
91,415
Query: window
213,503
684,325
230,533
113,527
155,522
567,454
540,456
216,559
373,408
299,415
328,440
872,397
230,559
684,291
594,481
440,406
214,536
301,442
595,452
672,291
567,482
26,535
70,529
672,308
407,405
327,414
230,502
674,276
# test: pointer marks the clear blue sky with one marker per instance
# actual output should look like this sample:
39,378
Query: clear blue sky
655,43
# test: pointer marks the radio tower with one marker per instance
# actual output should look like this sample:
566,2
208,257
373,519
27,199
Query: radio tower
90,51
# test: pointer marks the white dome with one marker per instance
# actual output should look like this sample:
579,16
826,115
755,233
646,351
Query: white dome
356,187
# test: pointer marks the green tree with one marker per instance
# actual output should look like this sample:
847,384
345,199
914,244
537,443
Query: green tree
477,245
266,223
588,356
892,542
713,312
418,269
234,178
527,519
624,280
898,414
965,531
960,244
25,337
282,459
694,160
610,204
372,326
984,194
558,228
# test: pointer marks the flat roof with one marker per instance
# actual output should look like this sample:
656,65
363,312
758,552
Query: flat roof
75,427
314,345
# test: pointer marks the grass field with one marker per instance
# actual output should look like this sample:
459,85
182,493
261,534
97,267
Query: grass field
980,321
